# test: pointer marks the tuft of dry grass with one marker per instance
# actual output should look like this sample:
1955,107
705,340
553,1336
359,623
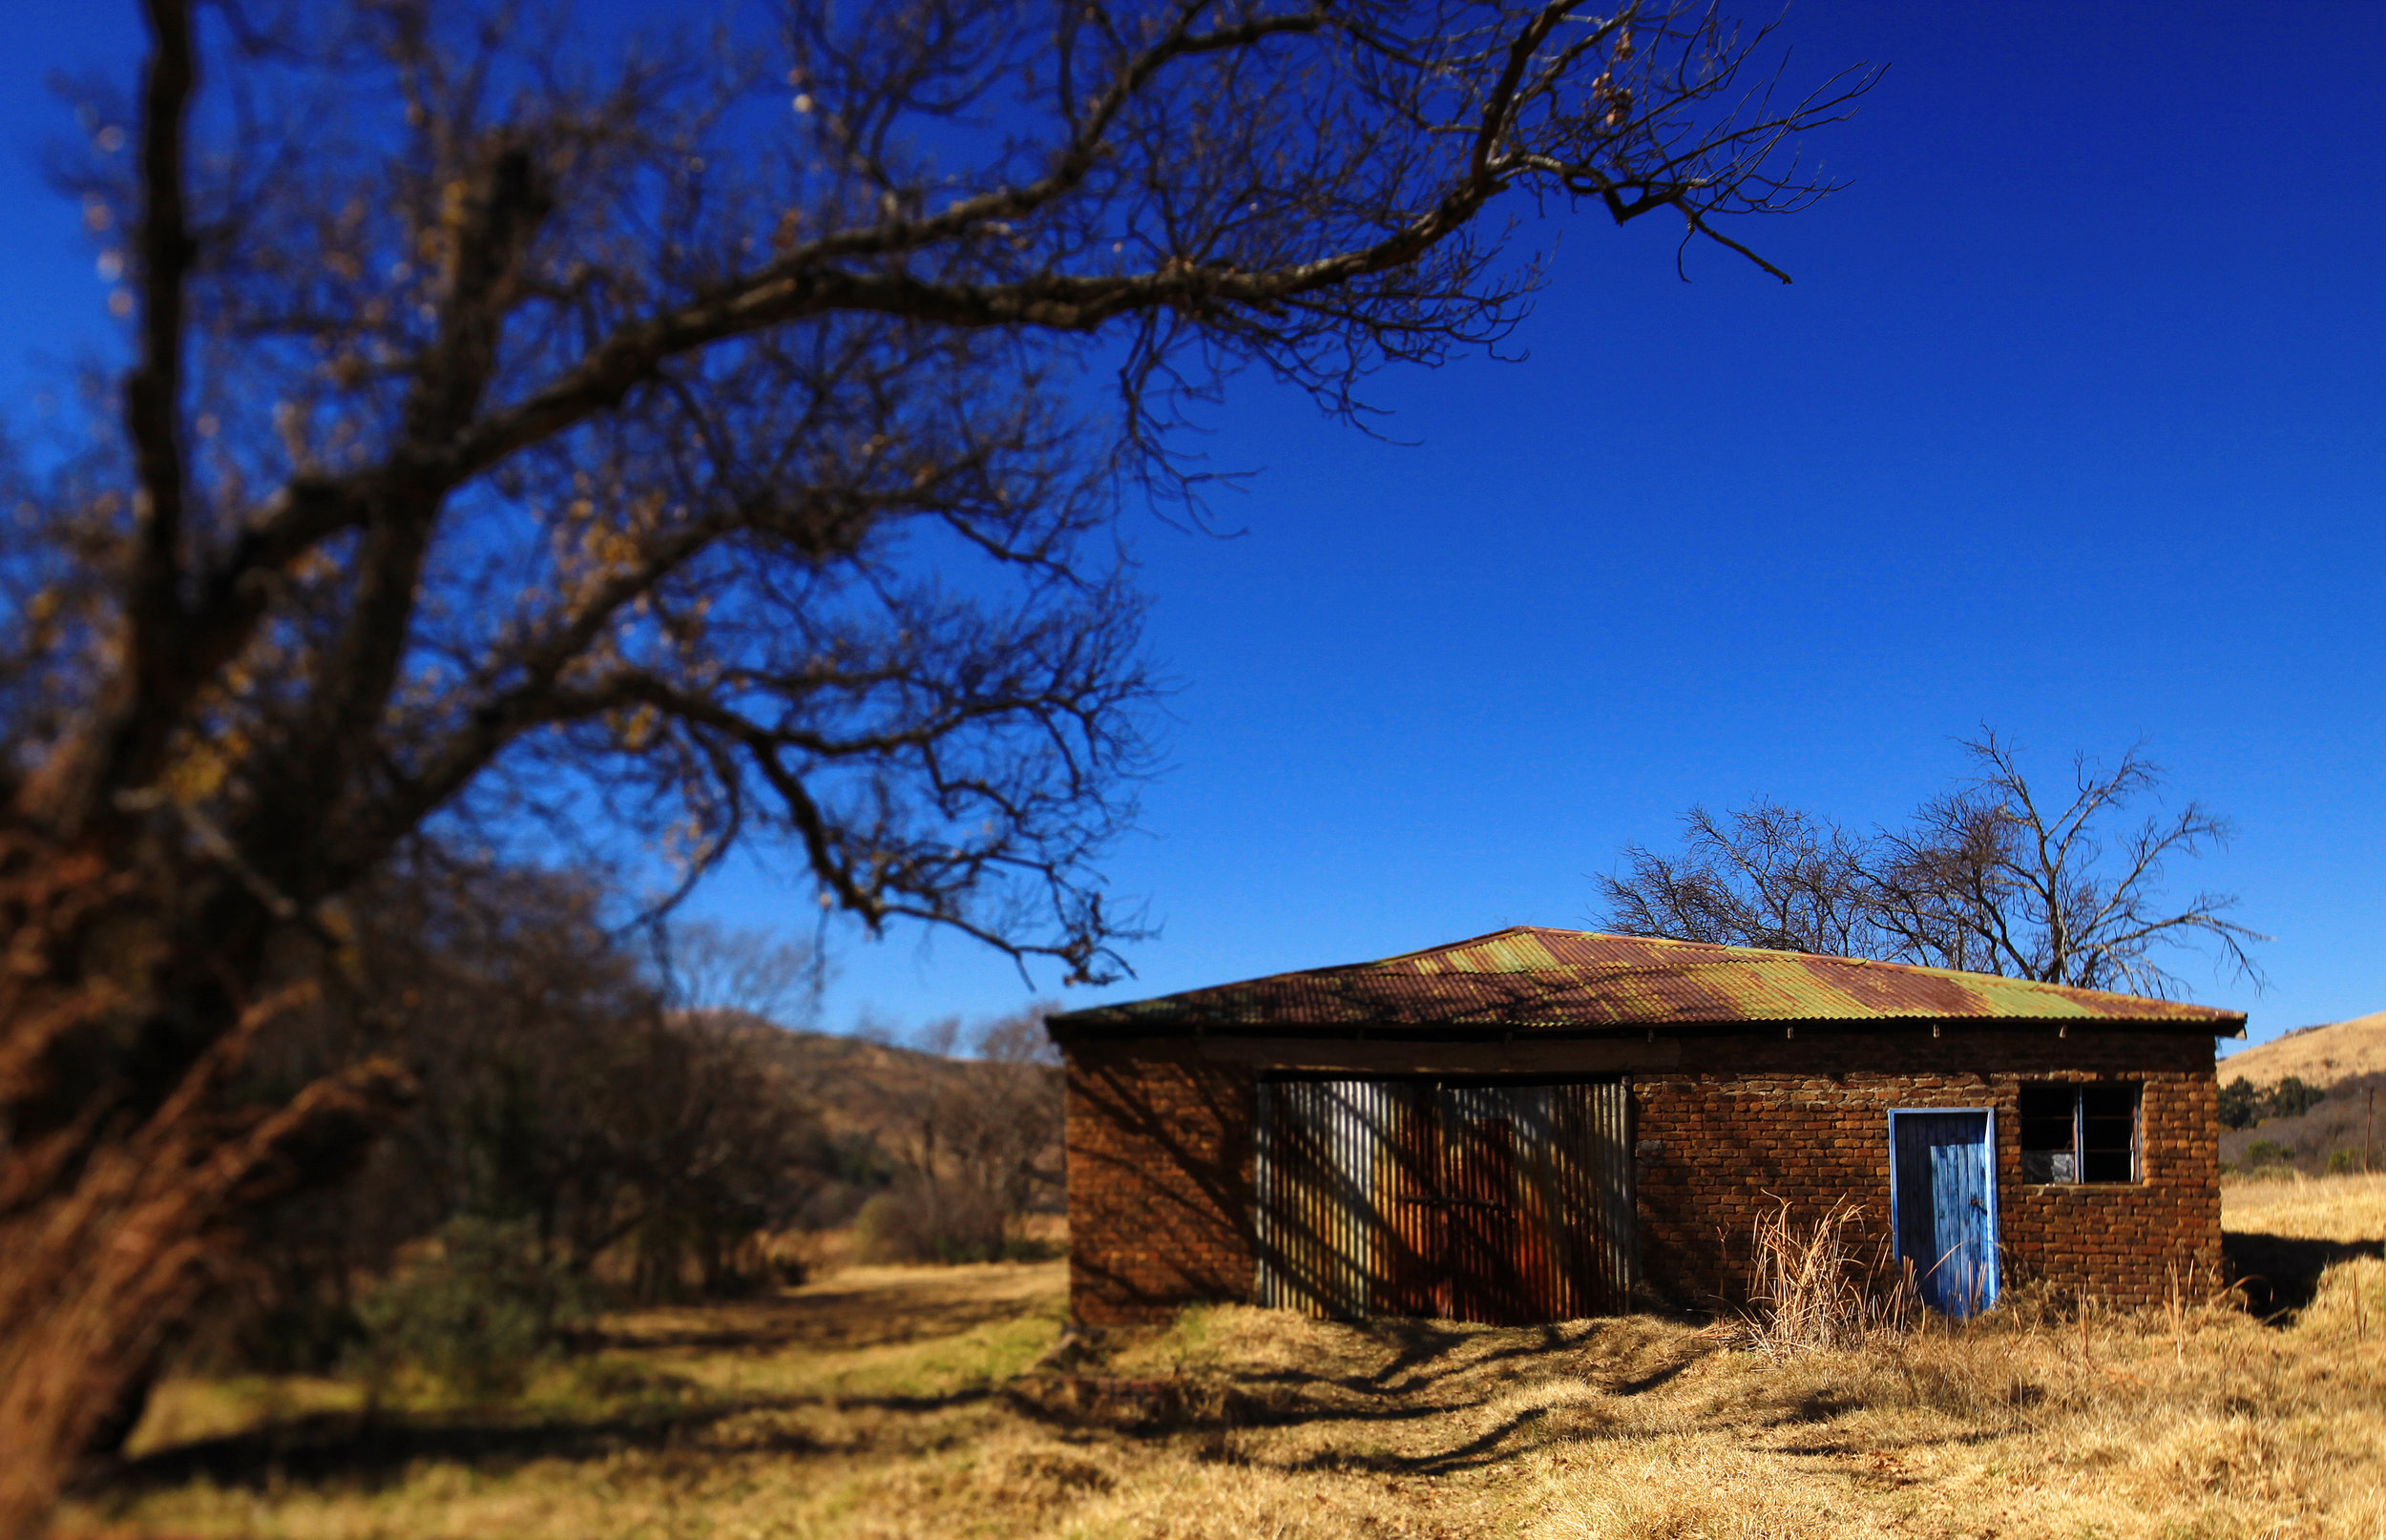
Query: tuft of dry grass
884,1403
1809,1291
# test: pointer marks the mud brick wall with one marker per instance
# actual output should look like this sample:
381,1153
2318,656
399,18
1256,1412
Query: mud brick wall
1747,1121
1160,1150
1161,1144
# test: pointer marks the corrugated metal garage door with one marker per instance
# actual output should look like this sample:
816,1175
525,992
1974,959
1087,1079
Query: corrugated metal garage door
1495,1202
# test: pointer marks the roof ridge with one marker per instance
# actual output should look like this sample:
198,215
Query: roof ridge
1551,931
1441,947
1597,978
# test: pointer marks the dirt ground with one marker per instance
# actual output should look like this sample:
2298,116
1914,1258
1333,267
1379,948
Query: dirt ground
941,1402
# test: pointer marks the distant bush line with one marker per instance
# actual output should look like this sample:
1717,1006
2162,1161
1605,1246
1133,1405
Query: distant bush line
2299,1126
2243,1104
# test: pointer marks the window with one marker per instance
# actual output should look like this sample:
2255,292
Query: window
2079,1133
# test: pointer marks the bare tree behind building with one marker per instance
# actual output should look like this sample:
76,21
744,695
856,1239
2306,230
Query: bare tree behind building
1996,875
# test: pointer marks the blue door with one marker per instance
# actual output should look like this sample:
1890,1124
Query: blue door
1943,1197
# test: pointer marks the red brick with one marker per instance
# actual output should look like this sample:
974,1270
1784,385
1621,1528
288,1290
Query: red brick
1159,1146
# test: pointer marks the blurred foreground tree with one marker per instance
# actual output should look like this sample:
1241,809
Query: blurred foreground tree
1993,877
568,1113
683,447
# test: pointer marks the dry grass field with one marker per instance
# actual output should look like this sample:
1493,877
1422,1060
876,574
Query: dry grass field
942,1402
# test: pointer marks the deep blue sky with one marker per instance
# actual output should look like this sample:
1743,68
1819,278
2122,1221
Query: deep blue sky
2074,423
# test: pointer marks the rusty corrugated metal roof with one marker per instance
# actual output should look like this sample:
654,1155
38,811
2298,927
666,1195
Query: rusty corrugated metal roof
1532,977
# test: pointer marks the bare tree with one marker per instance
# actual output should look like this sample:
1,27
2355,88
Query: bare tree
1009,1137
713,968
562,1094
1999,877
1989,877
978,1141
1762,875
688,446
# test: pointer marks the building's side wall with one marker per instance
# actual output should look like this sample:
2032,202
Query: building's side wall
1748,1122
1160,1145
1160,1148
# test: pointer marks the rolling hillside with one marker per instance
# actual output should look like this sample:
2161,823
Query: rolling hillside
2347,1060
892,1112
2316,1055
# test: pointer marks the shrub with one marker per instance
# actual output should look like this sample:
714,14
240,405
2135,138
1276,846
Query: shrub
919,1222
307,1334
2290,1098
2267,1153
2244,1104
479,1309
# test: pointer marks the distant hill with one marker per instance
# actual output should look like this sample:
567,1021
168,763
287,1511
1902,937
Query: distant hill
888,1110
865,1088
858,1086
2316,1055
2345,1059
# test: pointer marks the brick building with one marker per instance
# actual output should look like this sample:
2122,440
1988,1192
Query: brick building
1538,1124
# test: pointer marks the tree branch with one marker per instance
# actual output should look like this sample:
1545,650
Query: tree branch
156,679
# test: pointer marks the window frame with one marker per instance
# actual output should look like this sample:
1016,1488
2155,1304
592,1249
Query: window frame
2079,1153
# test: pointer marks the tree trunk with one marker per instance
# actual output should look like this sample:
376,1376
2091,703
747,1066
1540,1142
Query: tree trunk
105,1243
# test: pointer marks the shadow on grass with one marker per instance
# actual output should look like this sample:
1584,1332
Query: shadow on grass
1413,1373
1433,1371
2281,1274
1489,1448
365,1450
1425,1362
1426,1355
356,1450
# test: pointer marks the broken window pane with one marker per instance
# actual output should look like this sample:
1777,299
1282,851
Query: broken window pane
2079,1133
2108,1133
2049,1117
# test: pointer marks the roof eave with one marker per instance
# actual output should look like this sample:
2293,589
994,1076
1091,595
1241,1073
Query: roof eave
1098,1021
